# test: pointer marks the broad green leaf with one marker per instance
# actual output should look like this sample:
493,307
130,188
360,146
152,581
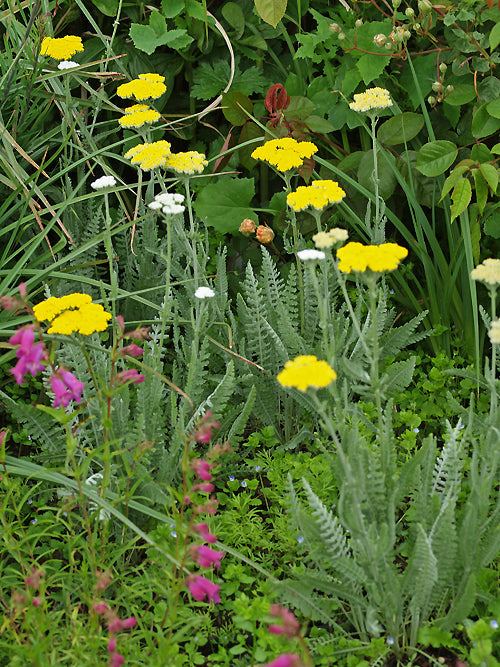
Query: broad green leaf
371,68
483,124
318,124
481,189
435,157
490,174
157,23
481,153
226,203
299,107
235,17
271,11
400,128
492,223
106,7
495,149
148,37
197,10
232,103
171,8
493,108
494,37
453,178
462,93
460,197
425,71
386,177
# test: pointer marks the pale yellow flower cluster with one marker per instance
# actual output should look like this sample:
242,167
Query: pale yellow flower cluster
488,272
358,257
494,332
285,153
373,98
72,313
317,195
330,238
306,371
61,48
147,86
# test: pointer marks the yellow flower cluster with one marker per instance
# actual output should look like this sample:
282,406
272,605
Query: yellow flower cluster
61,48
146,86
149,156
138,117
373,98
318,195
286,153
72,313
488,272
330,238
306,371
377,258
191,162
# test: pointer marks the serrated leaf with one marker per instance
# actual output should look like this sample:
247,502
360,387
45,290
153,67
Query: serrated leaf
271,11
371,68
453,178
299,107
460,197
490,174
435,157
494,37
226,203
234,105
398,376
171,8
481,189
400,128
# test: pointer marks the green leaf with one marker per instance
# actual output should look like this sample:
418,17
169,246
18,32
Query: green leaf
106,7
226,203
299,107
490,174
400,128
460,197
462,93
271,11
235,17
453,178
147,38
494,37
435,157
496,149
171,8
493,108
481,189
386,177
371,67
483,124
492,223
233,104
319,125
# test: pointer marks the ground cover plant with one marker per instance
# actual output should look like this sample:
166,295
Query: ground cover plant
249,395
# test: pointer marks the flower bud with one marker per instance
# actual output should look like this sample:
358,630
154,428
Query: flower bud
450,88
389,46
424,6
409,12
380,39
247,227
407,34
264,234
359,23
431,100
334,27
437,87
396,3
443,67
341,36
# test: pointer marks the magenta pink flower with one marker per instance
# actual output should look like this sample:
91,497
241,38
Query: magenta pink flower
132,350
200,588
129,622
202,469
112,645
130,375
285,660
290,625
205,556
202,529
117,660
206,488
29,363
66,387
100,607
25,339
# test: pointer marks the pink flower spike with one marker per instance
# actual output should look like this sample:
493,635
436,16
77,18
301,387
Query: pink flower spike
22,290
206,488
200,588
100,607
112,645
202,469
207,556
114,624
121,322
25,339
130,375
285,660
132,350
37,601
290,627
75,387
129,622
202,529
66,388
117,660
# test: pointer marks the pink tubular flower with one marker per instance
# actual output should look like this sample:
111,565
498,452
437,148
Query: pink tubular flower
112,645
100,607
202,469
29,363
25,339
130,375
66,387
205,556
132,350
290,625
129,622
285,660
200,588
202,529
206,488
117,660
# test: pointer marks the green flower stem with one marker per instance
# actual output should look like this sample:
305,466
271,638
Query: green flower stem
493,401
189,206
287,176
109,252
317,216
357,326
165,313
371,279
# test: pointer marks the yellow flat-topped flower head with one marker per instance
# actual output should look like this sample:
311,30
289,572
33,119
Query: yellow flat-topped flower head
488,272
306,371
147,86
371,100
149,156
317,195
73,313
61,48
285,153
190,162
138,118
377,258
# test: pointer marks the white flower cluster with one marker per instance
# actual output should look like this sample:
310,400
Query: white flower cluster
104,182
168,202
204,293
310,254
67,64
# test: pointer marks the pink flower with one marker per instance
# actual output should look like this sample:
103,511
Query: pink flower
200,588
290,626
100,607
205,556
202,469
25,339
29,361
112,645
37,601
202,529
132,350
285,660
206,488
66,387
129,622
130,375
117,660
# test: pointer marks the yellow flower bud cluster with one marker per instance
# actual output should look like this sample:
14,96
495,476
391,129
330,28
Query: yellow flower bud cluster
377,258
285,153
72,313
306,371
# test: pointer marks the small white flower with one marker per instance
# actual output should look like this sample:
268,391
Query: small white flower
204,293
155,205
103,182
67,64
167,198
310,254
173,208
